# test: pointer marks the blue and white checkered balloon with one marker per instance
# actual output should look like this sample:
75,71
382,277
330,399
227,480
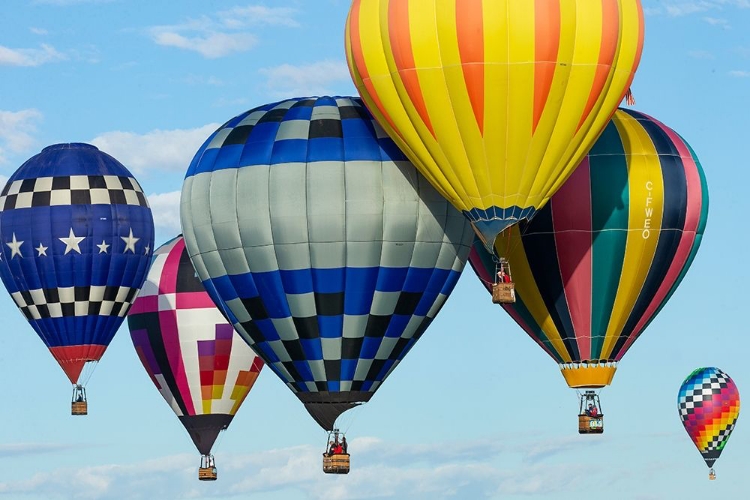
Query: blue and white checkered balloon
322,243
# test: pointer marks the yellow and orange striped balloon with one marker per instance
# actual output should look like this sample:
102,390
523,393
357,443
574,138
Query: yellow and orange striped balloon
494,101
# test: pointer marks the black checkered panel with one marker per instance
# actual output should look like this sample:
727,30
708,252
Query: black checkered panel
72,190
75,301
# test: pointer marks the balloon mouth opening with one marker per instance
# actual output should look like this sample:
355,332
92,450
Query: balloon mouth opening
69,145
591,375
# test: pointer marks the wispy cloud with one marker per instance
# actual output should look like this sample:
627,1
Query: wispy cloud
65,3
715,21
740,73
30,57
223,33
433,471
306,80
203,80
211,45
701,54
166,210
254,15
16,131
676,8
39,31
158,150
18,449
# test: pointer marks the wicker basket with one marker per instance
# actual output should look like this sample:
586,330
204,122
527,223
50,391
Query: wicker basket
590,425
503,293
79,408
207,473
336,464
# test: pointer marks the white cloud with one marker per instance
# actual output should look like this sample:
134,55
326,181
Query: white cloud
169,150
29,57
193,79
165,208
715,21
740,74
39,31
686,8
476,469
701,54
240,17
210,45
64,3
16,131
307,80
676,8
223,33
17,449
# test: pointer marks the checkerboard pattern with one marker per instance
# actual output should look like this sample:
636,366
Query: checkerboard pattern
75,301
342,253
76,236
72,190
709,404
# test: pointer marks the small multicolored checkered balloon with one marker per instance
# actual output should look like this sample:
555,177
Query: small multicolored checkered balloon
709,404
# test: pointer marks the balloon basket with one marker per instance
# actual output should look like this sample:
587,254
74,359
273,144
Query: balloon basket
711,475
336,464
207,473
79,408
590,425
503,293
207,470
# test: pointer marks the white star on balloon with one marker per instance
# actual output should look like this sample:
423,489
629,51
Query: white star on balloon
72,242
41,249
15,247
130,241
103,247
148,248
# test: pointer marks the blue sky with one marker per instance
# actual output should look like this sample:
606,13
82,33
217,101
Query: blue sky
476,410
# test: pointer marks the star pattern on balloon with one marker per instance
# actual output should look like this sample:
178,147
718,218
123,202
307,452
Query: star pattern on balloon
130,241
15,247
72,242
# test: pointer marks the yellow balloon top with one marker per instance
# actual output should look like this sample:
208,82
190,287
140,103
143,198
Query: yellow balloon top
494,101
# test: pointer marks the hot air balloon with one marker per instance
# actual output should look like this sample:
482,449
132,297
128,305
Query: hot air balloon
77,234
494,101
202,368
329,251
709,404
596,265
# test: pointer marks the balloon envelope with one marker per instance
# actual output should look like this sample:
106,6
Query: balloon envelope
77,234
596,265
494,101
200,365
328,250
709,404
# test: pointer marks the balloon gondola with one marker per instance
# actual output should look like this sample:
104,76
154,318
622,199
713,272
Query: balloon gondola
503,289
709,404
201,366
76,233
595,266
326,248
590,415
336,459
